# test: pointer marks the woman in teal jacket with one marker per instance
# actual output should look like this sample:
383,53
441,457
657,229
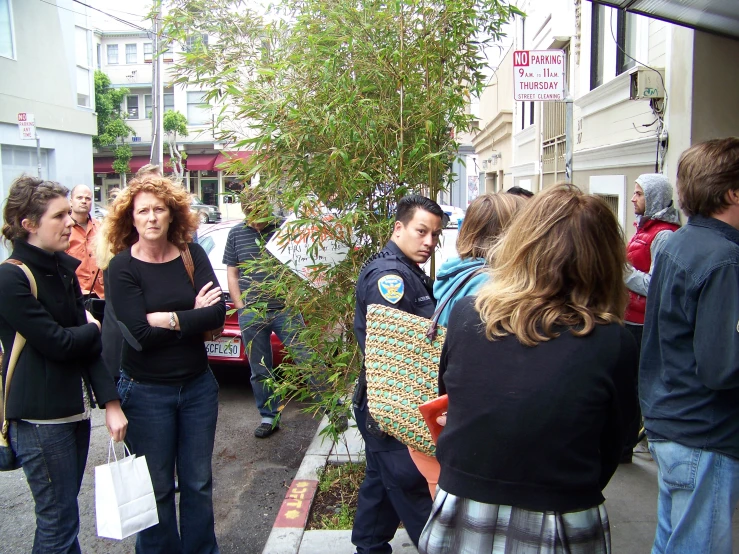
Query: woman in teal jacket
486,219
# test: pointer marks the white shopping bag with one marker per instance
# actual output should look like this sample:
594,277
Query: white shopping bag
124,496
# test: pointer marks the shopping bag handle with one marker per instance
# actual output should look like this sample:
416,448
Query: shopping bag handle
111,448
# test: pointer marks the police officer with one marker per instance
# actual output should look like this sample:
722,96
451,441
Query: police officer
393,490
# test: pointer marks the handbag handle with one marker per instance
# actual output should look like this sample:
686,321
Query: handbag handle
18,343
434,327
189,264
92,287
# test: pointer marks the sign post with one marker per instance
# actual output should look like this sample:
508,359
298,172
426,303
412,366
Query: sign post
27,129
540,76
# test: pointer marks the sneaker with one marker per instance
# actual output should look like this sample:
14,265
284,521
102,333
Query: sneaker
265,430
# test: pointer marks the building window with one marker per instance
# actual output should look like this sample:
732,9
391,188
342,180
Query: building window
6,30
198,111
112,54
83,57
626,33
99,54
167,55
147,52
193,40
147,106
531,113
597,45
130,53
168,101
132,106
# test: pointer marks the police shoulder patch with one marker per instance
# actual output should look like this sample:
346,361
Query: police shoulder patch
391,288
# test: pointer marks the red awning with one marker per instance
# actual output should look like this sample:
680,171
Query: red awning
105,165
231,157
200,162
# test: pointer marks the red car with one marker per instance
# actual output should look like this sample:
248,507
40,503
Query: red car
229,348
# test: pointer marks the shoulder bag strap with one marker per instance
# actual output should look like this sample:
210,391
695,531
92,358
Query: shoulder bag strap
92,286
189,264
431,333
18,343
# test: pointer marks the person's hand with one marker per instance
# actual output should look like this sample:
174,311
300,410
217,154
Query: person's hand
206,297
115,420
441,420
91,319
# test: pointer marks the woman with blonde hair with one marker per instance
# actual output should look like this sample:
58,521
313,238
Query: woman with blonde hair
167,389
536,368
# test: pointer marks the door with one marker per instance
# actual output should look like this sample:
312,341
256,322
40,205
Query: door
209,191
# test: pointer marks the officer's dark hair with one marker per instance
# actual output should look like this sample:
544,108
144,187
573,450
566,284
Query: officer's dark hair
408,205
518,191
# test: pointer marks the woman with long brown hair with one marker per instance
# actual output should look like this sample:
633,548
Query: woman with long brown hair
536,368
167,389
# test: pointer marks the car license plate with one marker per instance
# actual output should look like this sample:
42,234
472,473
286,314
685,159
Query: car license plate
225,347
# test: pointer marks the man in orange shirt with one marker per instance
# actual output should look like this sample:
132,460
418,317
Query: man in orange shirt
81,242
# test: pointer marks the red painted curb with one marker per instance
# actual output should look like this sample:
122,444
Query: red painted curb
296,506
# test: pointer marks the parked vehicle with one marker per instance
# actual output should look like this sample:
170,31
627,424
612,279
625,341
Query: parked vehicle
228,349
206,212
455,215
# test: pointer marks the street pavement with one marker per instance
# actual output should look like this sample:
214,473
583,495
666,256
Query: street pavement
250,479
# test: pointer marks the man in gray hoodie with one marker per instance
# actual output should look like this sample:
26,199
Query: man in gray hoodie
656,220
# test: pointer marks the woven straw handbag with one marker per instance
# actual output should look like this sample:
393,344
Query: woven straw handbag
402,353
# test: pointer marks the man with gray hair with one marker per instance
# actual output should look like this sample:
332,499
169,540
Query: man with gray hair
656,220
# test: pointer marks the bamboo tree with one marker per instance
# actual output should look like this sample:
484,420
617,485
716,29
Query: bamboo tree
348,105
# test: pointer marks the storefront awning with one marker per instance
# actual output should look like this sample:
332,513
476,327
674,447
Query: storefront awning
105,164
714,16
226,157
200,162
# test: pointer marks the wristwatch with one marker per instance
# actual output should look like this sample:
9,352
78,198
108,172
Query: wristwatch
172,321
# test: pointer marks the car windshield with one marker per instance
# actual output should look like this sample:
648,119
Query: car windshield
214,244
196,200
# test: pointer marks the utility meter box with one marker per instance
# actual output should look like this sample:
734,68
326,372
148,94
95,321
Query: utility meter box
647,84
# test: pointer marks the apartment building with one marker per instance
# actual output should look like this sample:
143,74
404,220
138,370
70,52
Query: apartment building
126,57
616,138
53,84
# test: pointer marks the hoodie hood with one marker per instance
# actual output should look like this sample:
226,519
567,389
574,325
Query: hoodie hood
658,199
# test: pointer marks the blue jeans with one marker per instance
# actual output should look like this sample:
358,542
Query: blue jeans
175,425
53,458
256,333
698,492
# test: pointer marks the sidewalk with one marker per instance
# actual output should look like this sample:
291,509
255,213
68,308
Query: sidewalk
631,501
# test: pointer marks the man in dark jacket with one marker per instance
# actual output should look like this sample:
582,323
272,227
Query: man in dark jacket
393,489
689,370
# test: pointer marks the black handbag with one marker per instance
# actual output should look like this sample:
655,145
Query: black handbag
93,304
8,460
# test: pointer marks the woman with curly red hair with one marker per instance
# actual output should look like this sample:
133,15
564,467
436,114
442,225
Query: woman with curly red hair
167,389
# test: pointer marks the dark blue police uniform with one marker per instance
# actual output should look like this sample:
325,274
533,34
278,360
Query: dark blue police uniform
393,489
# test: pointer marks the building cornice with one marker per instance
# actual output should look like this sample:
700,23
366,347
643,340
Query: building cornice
526,135
496,130
639,152
608,94
525,170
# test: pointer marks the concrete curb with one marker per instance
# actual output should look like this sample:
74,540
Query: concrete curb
287,531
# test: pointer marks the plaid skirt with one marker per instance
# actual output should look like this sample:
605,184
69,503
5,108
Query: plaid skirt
462,526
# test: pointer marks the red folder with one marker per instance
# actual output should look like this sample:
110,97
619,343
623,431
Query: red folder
433,409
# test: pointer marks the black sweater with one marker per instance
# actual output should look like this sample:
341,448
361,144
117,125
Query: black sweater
154,354
540,428
61,347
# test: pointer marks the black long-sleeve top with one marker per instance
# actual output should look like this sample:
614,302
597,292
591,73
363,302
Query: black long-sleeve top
153,354
541,428
61,348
